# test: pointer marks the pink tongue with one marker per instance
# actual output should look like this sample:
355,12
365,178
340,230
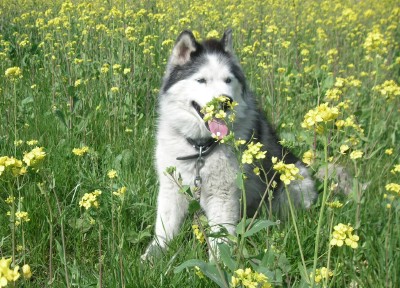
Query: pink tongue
218,128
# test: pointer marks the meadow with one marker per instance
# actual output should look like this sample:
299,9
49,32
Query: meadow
79,82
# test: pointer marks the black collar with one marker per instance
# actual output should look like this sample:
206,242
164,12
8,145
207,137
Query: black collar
203,147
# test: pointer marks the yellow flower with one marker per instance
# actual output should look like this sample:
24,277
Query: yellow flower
344,148
342,234
80,151
13,73
90,199
112,174
333,94
321,114
322,273
120,192
197,233
26,271
252,152
198,272
114,89
396,169
7,274
308,157
78,82
288,172
388,89
34,157
389,151
32,142
248,278
393,187
356,154
22,216
334,204
213,34
11,164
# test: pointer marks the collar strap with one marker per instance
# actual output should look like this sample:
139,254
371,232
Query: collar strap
203,148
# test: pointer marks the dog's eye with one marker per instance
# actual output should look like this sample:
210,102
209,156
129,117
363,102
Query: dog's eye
228,80
201,80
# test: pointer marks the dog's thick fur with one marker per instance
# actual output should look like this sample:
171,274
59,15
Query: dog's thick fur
195,74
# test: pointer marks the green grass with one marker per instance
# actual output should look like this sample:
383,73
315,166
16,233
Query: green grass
68,43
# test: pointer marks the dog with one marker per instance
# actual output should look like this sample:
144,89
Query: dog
196,73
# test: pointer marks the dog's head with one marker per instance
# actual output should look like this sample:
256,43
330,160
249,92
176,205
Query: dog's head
196,74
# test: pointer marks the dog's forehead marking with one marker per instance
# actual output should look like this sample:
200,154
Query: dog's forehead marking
215,67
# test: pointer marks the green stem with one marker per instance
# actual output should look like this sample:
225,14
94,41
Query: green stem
321,211
329,251
296,230
12,223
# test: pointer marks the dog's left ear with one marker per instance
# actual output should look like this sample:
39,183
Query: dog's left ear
227,41
184,46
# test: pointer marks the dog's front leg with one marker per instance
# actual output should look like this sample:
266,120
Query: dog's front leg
222,210
172,207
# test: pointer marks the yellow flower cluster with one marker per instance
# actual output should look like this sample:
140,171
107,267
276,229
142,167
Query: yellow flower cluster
288,172
80,151
34,157
343,234
320,274
198,272
7,274
197,233
21,216
334,204
248,278
388,89
321,114
356,154
349,122
32,142
112,174
252,152
375,43
396,169
11,164
214,109
393,187
90,199
13,73
308,157
11,275
120,192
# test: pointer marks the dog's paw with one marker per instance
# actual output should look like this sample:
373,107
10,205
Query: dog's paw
153,251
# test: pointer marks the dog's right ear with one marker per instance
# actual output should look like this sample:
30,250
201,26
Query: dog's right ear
184,46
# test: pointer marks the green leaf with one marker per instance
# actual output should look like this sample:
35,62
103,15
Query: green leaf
226,256
258,226
303,273
208,270
185,189
60,115
240,181
194,206
239,226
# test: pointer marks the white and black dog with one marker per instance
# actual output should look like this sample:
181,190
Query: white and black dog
196,73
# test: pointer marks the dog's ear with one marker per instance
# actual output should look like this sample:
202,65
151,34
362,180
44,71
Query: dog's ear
184,46
227,41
